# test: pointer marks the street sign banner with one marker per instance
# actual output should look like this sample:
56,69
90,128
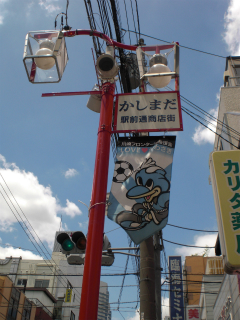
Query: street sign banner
68,296
139,197
148,112
176,288
225,176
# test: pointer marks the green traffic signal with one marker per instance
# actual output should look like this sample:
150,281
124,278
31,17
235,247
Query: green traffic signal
68,245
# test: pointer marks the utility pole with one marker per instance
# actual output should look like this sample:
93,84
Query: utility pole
147,281
147,272
158,246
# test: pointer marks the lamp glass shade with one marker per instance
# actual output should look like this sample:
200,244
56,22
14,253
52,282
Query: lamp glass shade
45,56
159,81
44,63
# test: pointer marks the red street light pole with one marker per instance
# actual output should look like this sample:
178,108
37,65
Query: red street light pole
92,267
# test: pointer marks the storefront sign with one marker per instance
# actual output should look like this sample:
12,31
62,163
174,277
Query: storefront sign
226,184
193,312
68,296
150,112
176,288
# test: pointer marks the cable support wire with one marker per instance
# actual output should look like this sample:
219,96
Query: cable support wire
134,21
124,302
104,18
127,22
186,245
68,275
216,122
172,225
29,232
125,270
60,287
181,46
189,113
207,114
12,305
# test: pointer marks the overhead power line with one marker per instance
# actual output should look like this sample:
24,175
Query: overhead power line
189,113
172,225
31,233
201,51
186,245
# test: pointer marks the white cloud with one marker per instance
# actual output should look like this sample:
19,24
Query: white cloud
165,307
15,252
201,241
49,5
35,200
232,27
29,8
70,173
165,310
71,209
135,317
204,135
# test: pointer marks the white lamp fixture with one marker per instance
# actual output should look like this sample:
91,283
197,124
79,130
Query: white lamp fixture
45,56
158,66
94,101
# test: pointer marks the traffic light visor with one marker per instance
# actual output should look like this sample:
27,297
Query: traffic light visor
80,240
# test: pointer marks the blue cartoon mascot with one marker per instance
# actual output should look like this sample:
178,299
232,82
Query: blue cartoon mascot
151,194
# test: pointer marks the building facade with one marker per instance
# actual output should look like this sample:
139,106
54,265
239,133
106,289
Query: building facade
227,302
228,126
202,279
53,285
14,304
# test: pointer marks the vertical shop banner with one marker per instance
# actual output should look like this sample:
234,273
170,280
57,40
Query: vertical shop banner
139,197
176,288
226,186
68,296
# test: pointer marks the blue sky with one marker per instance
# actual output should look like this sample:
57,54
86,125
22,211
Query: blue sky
47,145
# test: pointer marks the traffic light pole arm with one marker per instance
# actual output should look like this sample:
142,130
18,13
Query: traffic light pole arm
126,253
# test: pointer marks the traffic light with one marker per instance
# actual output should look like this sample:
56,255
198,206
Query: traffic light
73,245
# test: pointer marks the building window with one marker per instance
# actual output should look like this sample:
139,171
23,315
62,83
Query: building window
22,282
237,74
13,304
27,308
72,317
41,283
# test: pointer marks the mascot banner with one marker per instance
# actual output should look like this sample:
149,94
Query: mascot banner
139,197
